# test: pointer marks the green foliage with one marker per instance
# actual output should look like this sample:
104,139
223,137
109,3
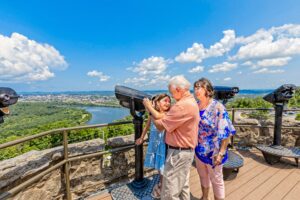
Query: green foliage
126,129
298,117
295,101
32,118
257,102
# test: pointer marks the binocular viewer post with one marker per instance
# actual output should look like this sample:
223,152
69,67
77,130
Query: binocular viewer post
133,100
224,93
279,98
8,97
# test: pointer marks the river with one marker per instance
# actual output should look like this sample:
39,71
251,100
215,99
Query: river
102,115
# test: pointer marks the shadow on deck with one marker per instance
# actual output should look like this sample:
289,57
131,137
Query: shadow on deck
255,180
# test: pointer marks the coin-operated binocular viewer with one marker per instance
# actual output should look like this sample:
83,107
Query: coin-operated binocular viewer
224,93
7,97
133,99
279,98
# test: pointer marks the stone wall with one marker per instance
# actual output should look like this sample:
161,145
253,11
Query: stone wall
247,136
87,176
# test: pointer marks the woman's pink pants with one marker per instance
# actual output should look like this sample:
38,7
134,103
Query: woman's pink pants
211,176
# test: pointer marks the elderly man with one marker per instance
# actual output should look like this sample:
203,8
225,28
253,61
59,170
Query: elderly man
181,126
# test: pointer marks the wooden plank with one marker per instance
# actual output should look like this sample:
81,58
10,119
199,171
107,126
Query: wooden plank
105,196
255,180
294,194
284,187
252,184
237,183
270,184
243,170
195,181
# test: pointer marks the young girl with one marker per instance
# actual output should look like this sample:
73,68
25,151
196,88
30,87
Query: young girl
156,152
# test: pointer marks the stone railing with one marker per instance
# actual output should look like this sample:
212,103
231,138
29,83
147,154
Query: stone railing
86,176
261,131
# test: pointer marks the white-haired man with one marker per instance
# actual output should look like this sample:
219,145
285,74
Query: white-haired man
181,126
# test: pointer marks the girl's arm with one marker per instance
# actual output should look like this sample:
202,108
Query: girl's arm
140,140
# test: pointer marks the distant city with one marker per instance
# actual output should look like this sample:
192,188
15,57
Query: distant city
111,93
102,98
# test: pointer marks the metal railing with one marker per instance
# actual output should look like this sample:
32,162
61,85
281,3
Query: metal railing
66,159
233,110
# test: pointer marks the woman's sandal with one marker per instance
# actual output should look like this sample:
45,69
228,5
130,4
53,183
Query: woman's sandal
156,192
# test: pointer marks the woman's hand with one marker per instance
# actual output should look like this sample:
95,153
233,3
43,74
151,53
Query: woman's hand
218,160
139,141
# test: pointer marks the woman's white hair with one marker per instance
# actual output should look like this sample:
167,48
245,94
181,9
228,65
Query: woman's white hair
180,81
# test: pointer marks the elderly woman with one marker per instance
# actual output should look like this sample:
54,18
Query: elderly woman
215,129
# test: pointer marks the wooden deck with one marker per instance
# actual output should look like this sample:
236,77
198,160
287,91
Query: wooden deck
256,180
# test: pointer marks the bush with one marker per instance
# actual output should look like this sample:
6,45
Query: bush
257,102
295,101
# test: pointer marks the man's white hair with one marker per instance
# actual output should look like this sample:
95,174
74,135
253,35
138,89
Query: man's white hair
180,81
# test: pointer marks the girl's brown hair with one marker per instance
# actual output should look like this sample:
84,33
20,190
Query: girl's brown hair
157,98
206,84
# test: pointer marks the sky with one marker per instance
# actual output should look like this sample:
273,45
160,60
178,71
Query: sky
95,45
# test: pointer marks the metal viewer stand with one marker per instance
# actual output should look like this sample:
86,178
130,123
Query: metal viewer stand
140,187
272,154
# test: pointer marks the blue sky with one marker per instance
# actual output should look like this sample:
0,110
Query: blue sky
94,45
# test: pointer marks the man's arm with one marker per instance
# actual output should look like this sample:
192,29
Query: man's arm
158,124
172,119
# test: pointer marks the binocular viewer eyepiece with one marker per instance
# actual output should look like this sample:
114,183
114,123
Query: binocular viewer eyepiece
7,97
131,98
224,93
281,94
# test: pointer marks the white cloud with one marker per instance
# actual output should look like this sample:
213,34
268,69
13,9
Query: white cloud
197,52
150,71
273,62
25,60
102,77
268,71
223,67
225,45
152,65
282,41
193,54
247,63
159,79
135,80
148,80
197,69
227,79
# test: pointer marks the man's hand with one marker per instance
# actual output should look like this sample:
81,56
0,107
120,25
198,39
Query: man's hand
147,103
139,141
